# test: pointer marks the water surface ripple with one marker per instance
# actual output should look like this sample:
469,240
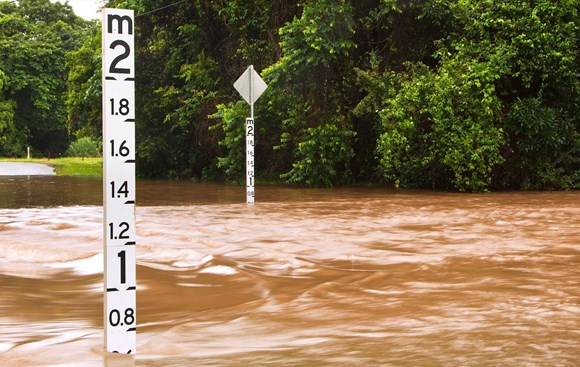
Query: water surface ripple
350,277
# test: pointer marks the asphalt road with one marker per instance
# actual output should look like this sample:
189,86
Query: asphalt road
25,169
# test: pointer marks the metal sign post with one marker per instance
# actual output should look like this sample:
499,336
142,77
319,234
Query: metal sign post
250,86
120,317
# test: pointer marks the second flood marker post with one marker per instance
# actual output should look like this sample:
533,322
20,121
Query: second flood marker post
250,86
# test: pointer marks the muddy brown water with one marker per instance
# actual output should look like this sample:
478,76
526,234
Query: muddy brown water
346,277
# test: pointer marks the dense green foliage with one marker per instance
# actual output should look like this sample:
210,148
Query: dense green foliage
466,95
85,147
497,104
35,36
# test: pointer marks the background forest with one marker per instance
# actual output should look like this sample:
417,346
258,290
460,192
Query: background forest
466,95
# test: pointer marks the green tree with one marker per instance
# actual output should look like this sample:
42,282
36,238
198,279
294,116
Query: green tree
537,42
188,58
499,108
10,141
310,83
35,35
467,95
84,92
85,147
440,128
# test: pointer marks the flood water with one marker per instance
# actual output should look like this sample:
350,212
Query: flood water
346,277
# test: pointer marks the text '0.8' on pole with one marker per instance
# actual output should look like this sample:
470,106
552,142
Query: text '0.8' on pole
250,86
120,314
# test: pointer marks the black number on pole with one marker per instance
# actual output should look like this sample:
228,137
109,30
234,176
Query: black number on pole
125,225
121,256
122,235
121,191
123,107
116,320
114,69
123,150
129,316
114,317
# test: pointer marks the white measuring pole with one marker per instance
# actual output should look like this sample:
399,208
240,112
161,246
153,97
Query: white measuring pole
120,317
250,160
250,128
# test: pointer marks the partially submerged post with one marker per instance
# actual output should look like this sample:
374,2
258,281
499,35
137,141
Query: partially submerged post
120,315
250,86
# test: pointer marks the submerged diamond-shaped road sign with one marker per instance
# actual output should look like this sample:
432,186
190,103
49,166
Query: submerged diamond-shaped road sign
250,85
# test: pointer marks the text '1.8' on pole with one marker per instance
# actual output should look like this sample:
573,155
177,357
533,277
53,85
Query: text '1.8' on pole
118,49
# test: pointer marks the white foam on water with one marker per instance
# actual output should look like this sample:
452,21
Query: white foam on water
4,347
192,263
88,266
219,270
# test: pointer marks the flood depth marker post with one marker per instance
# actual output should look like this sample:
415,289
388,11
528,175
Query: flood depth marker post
120,317
250,86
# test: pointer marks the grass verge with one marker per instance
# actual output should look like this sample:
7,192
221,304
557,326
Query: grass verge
69,166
